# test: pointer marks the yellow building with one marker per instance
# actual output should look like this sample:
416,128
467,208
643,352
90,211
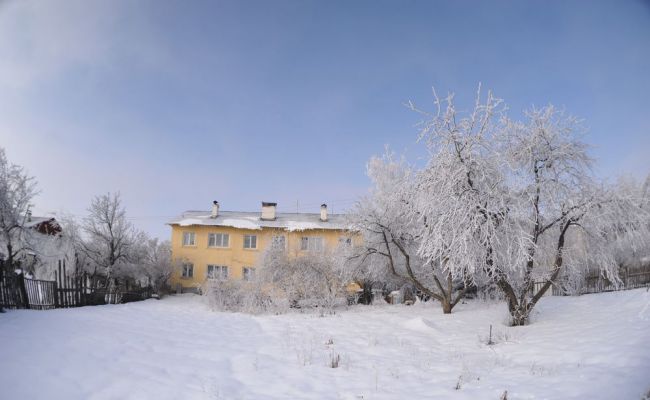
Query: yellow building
229,245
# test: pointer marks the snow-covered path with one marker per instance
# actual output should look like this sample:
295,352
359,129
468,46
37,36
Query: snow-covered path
594,346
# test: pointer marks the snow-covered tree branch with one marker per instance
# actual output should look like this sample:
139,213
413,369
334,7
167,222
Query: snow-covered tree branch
499,199
17,189
110,237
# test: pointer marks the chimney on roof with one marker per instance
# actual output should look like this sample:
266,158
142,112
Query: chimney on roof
268,211
323,212
215,209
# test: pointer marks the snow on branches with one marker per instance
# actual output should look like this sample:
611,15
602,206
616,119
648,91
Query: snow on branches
17,189
500,200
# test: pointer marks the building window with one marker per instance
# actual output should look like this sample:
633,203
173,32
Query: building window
188,270
248,273
345,241
309,243
188,239
278,242
217,272
218,240
250,241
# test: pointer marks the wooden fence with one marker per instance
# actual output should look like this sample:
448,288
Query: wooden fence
631,278
552,291
10,294
65,291
41,295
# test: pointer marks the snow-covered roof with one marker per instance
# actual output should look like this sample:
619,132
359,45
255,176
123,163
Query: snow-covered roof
33,221
44,225
251,220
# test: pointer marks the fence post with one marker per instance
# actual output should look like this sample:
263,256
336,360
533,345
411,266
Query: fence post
77,281
83,288
57,304
23,289
61,287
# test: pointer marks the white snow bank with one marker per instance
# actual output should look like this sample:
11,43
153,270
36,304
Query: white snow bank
589,347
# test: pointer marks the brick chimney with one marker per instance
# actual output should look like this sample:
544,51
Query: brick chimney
268,211
215,209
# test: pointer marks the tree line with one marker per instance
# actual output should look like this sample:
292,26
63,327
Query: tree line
103,243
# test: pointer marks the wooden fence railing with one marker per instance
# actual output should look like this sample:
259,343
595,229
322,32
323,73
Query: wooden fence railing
65,291
41,295
630,278
10,293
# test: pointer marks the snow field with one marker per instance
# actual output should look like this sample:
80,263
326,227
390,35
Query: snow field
588,347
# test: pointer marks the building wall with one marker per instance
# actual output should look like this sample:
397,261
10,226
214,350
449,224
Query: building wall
235,256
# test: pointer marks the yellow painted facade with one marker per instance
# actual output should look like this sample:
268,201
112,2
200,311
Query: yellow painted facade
235,257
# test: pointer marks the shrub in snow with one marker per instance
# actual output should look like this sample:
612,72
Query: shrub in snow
317,279
241,296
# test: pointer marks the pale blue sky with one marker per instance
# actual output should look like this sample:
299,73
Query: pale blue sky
178,103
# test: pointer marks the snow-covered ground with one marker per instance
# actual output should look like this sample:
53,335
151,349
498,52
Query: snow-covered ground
588,347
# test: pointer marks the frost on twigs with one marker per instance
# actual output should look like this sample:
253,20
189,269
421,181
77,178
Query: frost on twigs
315,281
242,296
499,202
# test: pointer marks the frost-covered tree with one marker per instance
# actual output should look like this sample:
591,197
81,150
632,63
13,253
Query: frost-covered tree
461,198
73,232
17,189
390,223
508,201
629,254
47,250
573,221
110,238
314,279
154,265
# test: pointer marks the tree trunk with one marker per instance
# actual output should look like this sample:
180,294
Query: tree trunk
520,314
10,256
446,306
2,275
23,289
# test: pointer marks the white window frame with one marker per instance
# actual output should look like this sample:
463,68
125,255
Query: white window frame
218,240
187,236
312,243
249,241
248,273
217,271
187,270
